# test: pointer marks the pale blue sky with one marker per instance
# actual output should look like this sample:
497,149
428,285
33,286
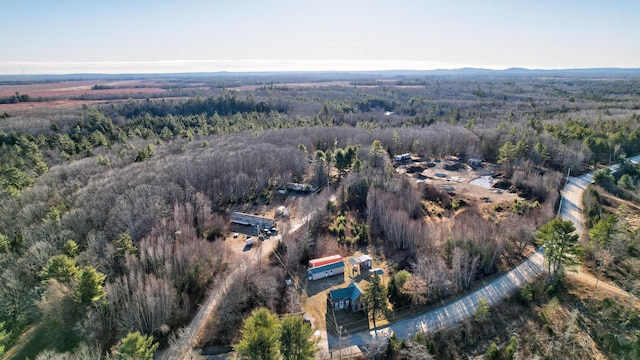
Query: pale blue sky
114,36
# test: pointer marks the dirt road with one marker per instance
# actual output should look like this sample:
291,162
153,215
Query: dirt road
182,348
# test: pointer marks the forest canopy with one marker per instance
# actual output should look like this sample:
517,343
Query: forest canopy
103,206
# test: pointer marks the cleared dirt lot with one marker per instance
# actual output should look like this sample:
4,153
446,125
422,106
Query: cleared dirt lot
464,181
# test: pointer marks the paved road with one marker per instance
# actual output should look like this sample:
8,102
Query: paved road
495,291
461,309
571,201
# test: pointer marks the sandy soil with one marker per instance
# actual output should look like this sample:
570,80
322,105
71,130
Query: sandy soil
459,182
583,285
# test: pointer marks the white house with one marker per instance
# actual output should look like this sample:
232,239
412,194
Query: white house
324,271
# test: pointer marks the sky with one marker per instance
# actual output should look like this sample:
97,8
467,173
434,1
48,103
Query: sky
155,36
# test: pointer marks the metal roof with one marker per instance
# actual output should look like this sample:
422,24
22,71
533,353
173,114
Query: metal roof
327,267
352,292
360,259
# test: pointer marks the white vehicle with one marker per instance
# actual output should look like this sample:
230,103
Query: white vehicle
249,241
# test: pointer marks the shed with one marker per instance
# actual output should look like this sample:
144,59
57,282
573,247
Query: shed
403,157
362,263
282,211
349,297
324,271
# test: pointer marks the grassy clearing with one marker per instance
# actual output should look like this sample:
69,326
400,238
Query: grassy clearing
29,345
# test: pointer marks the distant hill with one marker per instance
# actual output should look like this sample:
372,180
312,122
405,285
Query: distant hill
473,72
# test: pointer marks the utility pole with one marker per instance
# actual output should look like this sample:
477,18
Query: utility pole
565,185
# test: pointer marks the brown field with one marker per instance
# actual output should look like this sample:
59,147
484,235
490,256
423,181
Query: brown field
65,93
74,88
50,104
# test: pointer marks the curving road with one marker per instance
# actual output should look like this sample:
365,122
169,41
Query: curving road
497,290
447,315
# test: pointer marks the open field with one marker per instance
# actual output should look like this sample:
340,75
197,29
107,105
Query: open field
70,94
77,88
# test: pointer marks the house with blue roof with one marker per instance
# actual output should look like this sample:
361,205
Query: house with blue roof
321,272
349,297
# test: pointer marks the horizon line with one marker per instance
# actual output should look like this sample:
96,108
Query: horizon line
17,68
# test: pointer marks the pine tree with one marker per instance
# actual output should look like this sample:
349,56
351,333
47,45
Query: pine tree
295,339
61,268
136,346
260,336
561,248
375,298
4,336
90,286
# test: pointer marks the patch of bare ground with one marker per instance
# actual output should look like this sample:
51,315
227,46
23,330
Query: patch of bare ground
458,178
583,285
626,209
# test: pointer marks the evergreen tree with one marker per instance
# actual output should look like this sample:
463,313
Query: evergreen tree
602,235
145,153
375,298
507,153
124,245
395,289
136,346
376,153
71,249
61,268
4,336
90,286
393,346
295,339
561,248
260,336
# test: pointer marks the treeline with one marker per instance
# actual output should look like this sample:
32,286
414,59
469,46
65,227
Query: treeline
14,99
227,104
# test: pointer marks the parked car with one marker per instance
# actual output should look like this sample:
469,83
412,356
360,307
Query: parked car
249,241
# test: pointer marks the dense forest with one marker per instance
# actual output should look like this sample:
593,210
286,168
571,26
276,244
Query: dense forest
113,214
